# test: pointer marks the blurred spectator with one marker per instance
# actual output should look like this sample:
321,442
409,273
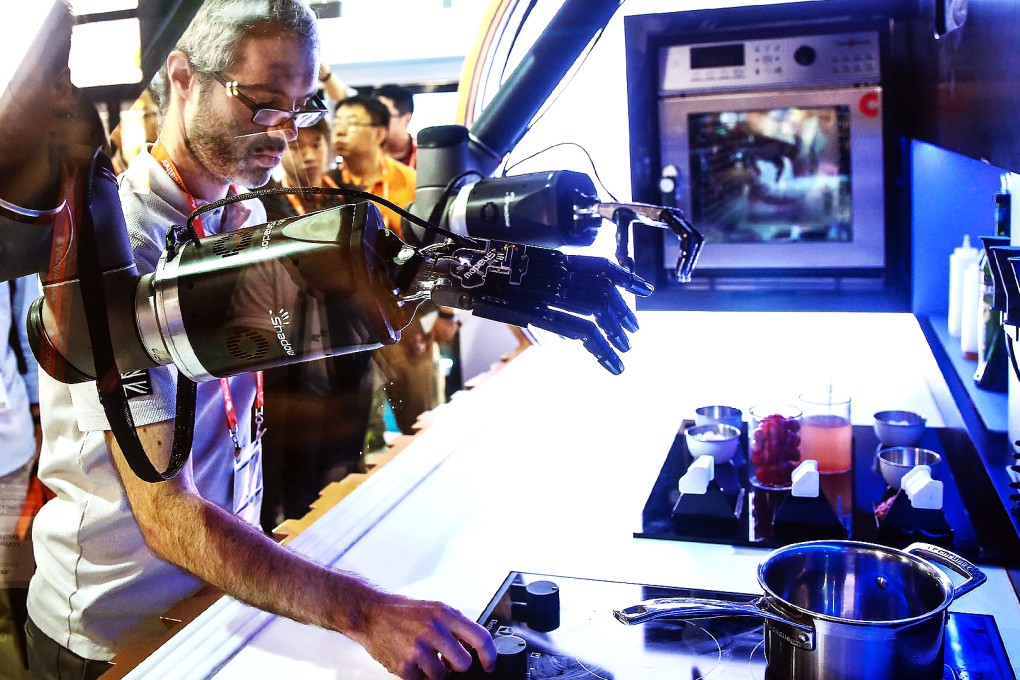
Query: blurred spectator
409,371
19,449
316,411
399,142
138,126
360,129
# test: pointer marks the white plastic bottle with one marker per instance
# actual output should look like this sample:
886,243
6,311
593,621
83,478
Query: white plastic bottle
970,315
958,262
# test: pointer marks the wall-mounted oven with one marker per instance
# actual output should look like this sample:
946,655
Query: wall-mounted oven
774,148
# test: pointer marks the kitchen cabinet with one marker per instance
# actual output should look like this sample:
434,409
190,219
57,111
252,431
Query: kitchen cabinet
968,90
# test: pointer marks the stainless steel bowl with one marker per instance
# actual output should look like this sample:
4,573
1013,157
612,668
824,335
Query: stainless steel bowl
896,461
899,428
728,415
717,440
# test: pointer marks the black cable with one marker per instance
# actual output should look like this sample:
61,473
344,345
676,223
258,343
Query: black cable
565,85
594,170
513,40
326,191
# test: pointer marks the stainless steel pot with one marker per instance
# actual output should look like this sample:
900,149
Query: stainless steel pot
843,610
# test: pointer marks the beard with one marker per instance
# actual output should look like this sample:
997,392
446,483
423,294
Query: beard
227,152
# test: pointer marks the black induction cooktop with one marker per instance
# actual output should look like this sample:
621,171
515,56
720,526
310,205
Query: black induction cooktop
548,627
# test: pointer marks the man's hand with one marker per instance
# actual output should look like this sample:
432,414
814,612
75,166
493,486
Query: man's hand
417,639
407,636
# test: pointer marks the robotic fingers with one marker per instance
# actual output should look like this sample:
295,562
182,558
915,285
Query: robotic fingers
625,214
572,295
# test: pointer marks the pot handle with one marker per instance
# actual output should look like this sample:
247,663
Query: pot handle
951,560
699,608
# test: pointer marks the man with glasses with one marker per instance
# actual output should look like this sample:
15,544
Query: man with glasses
410,375
316,412
114,552
360,130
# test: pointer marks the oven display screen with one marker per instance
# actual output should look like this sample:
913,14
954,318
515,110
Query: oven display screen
773,175
717,56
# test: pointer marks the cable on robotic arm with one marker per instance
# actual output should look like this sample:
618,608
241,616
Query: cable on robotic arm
188,234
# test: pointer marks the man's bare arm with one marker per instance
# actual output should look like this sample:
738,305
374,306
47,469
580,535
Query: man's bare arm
406,636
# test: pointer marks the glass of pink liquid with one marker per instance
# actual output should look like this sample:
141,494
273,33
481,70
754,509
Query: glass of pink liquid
826,434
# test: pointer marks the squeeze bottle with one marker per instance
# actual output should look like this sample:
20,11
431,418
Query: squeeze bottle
962,256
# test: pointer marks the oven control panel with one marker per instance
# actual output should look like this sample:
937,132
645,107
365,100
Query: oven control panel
836,59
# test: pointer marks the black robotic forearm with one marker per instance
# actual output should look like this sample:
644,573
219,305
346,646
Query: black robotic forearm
258,297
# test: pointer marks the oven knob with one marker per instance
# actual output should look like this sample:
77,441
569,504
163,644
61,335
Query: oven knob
511,658
543,606
805,55
536,604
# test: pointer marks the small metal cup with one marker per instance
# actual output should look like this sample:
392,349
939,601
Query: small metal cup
727,415
896,461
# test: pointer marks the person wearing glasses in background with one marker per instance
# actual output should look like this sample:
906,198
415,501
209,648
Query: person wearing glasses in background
360,129
114,552
410,376
317,412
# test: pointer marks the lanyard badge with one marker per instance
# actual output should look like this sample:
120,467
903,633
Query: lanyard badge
247,458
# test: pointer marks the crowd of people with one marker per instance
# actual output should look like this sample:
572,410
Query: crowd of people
240,94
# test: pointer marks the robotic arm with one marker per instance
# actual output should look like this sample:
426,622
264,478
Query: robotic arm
335,281
322,284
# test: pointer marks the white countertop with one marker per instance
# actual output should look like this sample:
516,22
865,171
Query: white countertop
545,468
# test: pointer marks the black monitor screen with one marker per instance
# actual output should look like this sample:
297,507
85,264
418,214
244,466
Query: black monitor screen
774,175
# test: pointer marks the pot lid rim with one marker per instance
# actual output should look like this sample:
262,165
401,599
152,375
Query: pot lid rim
936,574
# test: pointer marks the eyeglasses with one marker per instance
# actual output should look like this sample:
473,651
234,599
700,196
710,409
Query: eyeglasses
270,117
350,126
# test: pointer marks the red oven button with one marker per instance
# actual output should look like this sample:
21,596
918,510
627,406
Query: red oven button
869,104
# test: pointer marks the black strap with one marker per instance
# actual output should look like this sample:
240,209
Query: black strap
108,379
12,339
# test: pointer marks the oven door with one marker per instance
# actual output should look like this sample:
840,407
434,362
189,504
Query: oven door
783,180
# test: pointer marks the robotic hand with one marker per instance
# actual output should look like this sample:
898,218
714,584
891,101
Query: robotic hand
529,285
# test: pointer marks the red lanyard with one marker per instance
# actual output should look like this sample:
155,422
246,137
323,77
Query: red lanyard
160,154
231,412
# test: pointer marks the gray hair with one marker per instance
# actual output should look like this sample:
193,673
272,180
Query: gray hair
214,37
